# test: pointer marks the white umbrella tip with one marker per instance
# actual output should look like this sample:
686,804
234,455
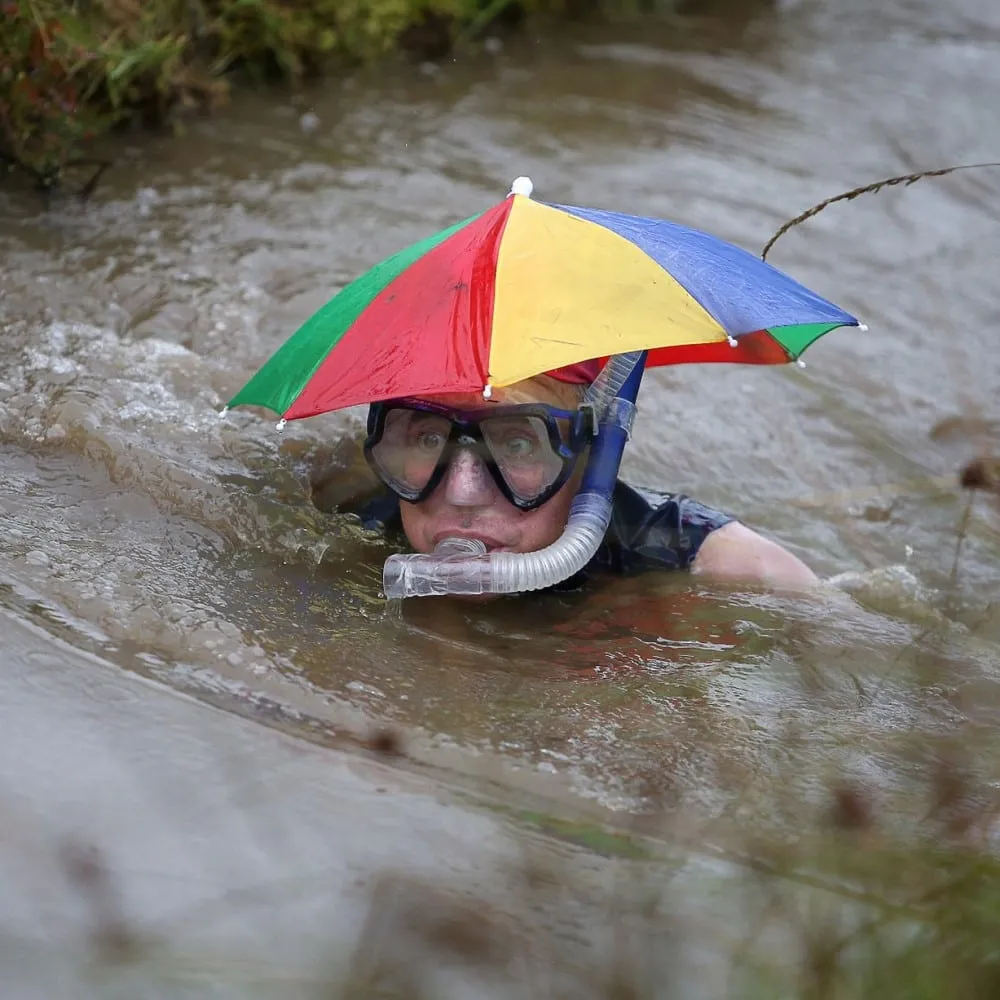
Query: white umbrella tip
522,185
863,327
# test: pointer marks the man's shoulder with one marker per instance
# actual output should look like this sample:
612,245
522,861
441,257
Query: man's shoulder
653,528
739,553
376,511
640,503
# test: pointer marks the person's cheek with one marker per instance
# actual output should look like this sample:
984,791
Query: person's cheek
539,529
414,526
425,529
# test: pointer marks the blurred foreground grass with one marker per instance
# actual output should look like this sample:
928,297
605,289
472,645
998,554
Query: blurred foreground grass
71,70
848,909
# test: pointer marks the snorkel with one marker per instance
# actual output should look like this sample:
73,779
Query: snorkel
462,566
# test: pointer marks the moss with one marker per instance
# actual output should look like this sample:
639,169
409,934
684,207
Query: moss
71,70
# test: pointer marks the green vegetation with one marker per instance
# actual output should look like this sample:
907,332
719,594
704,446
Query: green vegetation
71,70
849,911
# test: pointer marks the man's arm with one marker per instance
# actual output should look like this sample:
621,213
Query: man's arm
734,552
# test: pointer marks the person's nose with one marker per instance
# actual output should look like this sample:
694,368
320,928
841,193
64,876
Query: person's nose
467,483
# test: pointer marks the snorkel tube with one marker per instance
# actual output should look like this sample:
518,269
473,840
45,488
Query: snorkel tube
463,566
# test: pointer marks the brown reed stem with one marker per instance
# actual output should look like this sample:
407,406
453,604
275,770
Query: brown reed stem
904,179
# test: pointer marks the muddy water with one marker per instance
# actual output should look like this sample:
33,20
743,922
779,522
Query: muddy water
202,560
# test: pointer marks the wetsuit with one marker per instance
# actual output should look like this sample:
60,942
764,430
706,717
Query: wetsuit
649,530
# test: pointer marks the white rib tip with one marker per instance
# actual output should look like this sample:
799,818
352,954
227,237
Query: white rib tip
223,412
800,363
863,327
487,391
522,185
731,339
280,425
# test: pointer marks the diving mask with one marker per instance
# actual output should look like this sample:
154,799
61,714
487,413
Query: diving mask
530,450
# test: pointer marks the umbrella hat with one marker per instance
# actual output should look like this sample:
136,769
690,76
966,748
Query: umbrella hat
527,287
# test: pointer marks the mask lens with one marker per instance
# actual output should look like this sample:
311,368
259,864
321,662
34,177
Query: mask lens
410,447
521,448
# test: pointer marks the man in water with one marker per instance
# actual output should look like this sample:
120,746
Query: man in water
505,471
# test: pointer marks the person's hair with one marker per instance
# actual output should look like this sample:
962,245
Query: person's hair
567,395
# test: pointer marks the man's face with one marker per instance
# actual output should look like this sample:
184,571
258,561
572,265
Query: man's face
469,504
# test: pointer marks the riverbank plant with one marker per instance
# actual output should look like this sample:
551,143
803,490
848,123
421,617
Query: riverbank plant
71,70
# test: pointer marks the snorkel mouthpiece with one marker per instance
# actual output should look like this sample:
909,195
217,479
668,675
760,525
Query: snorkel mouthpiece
452,568
462,566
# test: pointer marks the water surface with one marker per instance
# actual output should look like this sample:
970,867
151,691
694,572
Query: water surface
194,561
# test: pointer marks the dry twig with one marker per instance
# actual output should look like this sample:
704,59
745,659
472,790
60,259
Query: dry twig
905,179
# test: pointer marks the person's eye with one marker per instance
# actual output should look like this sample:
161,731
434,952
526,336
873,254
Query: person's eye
429,440
520,445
